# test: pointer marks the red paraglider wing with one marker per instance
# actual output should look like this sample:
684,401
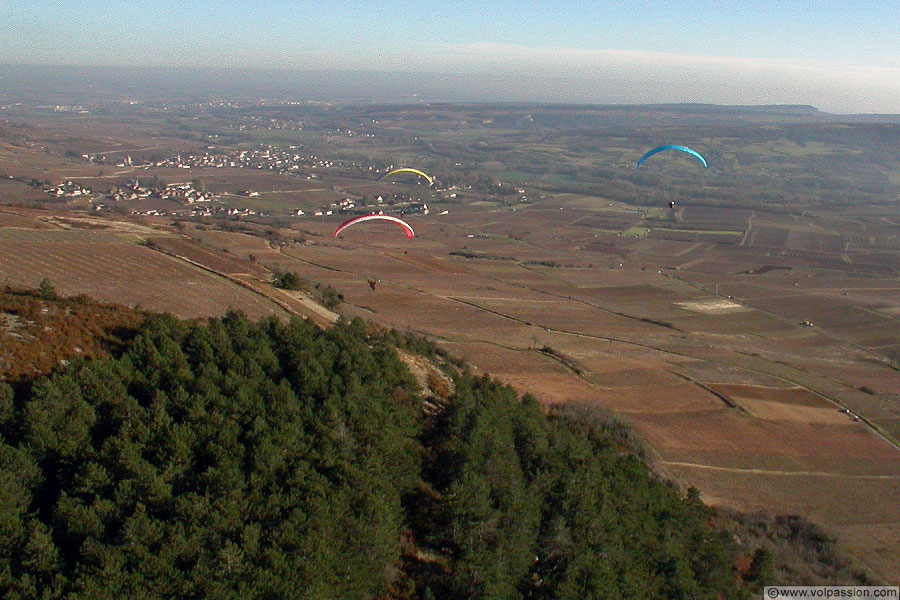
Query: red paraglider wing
376,217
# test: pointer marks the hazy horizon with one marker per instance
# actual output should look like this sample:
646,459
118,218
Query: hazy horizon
61,84
841,59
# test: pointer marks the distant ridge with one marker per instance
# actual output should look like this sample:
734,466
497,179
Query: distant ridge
47,85
786,109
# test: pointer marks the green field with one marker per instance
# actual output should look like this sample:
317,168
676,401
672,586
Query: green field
783,147
518,176
266,202
700,231
637,232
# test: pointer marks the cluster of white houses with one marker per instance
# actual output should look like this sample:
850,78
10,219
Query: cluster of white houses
269,158
69,189
179,192
211,210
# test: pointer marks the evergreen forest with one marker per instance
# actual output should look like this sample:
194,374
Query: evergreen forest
237,460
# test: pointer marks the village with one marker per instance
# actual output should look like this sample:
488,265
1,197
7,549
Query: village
269,158
195,201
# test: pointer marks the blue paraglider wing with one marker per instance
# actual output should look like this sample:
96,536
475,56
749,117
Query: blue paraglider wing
693,153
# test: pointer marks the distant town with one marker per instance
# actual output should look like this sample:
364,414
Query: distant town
196,201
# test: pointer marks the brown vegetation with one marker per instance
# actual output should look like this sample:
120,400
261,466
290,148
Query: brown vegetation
36,333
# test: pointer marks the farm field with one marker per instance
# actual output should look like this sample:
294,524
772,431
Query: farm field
751,337
665,354
714,388
114,268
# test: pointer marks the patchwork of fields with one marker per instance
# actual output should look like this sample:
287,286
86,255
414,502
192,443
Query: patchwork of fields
755,350
735,394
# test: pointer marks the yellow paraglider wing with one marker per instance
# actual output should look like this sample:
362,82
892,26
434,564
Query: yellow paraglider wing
425,176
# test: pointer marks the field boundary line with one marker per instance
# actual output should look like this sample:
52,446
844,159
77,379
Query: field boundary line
776,472
244,284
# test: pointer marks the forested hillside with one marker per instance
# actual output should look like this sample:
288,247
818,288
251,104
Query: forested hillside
271,460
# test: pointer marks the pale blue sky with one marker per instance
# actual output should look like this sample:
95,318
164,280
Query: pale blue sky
832,54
